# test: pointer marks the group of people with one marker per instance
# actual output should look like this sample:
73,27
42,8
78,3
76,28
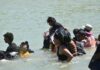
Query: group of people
59,40
13,50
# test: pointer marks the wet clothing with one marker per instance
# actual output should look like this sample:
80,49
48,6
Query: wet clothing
2,54
54,27
23,54
12,48
63,56
98,48
30,51
90,42
80,46
95,63
6,54
46,42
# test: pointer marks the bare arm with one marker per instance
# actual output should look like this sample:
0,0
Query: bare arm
68,54
73,48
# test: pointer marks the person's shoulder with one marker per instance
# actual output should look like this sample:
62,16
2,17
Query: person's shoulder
14,45
72,43
58,24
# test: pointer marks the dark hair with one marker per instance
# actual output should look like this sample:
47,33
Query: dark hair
9,36
82,32
62,35
75,31
26,42
51,19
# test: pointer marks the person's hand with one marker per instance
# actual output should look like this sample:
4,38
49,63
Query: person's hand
46,34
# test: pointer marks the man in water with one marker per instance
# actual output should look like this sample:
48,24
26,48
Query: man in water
53,27
8,38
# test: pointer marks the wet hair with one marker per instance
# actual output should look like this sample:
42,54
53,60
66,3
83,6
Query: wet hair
27,47
51,19
75,31
82,32
9,36
62,35
25,43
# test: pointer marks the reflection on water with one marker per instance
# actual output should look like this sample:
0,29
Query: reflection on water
26,19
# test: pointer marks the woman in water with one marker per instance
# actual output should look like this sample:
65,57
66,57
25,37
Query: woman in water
66,50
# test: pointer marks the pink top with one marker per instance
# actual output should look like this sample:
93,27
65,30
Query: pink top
90,42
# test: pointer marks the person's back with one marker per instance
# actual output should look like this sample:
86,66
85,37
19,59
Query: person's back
12,48
90,41
55,27
66,49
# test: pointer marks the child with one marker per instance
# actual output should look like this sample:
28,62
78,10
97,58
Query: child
24,51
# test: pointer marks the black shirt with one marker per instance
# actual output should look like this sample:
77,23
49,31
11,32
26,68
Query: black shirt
54,27
12,48
98,49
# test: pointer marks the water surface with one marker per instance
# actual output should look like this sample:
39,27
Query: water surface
26,19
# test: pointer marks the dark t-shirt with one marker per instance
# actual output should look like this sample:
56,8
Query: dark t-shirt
54,27
12,48
95,63
61,57
60,54
98,48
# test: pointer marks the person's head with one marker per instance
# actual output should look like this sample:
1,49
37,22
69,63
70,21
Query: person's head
88,27
26,42
81,34
24,46
58,39
76,31
51,21
62,36
8,37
